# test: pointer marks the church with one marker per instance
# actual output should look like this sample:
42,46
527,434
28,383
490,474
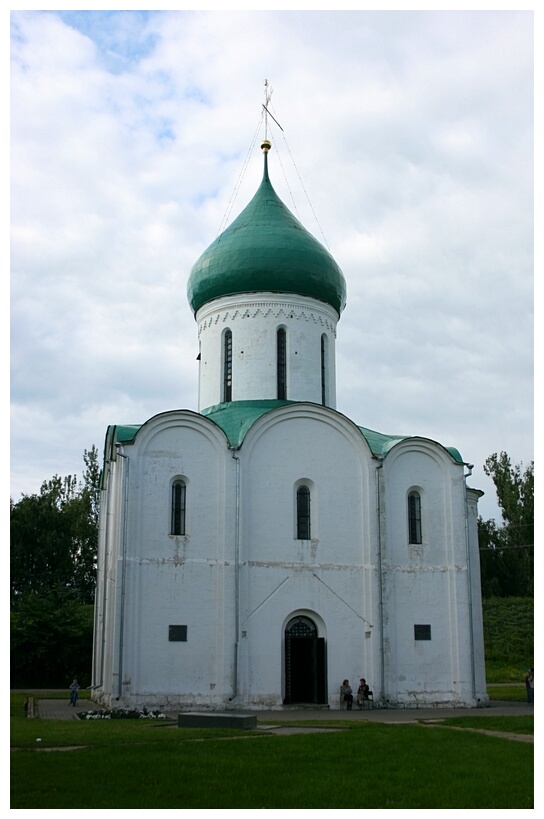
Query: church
255,553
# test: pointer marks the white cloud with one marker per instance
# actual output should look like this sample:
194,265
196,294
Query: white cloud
412,133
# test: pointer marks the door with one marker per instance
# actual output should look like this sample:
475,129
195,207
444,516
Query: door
305,677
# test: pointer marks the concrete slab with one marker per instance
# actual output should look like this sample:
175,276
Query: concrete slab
217,720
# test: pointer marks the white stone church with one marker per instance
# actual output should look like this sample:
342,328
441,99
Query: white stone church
258,551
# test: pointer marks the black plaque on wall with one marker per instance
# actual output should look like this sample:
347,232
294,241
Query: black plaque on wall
177,634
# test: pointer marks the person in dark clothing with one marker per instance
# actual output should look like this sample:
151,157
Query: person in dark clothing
362,693
347,694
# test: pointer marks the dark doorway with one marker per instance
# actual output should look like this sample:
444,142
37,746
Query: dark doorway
305,677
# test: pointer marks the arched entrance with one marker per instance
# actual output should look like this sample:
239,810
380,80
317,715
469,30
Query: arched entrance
305,665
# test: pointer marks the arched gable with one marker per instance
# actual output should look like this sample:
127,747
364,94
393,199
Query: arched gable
178,419
177,445
308,411
423,468
307,445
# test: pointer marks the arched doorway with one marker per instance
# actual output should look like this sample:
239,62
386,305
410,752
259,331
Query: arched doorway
305,666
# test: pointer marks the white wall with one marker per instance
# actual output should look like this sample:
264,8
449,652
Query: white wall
236,617
427,583
324,575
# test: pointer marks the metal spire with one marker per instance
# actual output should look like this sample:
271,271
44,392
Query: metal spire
266,144
268,91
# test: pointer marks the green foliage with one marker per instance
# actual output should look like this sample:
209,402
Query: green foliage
508,637
371,766
51,643
515,494
54,541
507,551
54,537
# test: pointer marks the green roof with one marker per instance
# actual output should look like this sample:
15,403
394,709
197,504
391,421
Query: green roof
236,418
266,249
380,444
119,434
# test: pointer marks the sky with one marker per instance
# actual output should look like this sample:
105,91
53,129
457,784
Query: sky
406,146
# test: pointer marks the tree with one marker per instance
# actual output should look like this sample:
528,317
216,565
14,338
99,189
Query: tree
54,541
51,643
515,494
54,537
507,551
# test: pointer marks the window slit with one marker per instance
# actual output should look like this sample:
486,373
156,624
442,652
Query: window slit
303,513
414,518
177,526
281,364
227,366
323,370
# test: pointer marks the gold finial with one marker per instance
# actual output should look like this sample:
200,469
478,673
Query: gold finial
266,145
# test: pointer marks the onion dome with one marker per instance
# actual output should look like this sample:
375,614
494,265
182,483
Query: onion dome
266,249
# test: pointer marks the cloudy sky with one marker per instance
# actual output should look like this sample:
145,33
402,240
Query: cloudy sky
407,148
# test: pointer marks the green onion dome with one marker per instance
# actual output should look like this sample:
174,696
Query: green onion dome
266,249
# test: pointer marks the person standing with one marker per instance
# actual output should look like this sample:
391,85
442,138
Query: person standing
74,688
530,686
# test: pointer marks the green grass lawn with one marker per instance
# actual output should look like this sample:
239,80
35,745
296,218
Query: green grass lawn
523,724
510,693
131,764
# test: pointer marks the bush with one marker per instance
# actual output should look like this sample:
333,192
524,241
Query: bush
509,637
121,713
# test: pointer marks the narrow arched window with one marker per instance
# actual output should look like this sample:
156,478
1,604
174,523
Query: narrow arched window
179,491
281,363
324,370
303,513
227,366
414,518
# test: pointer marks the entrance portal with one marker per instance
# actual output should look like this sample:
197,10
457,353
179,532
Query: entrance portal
305,677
